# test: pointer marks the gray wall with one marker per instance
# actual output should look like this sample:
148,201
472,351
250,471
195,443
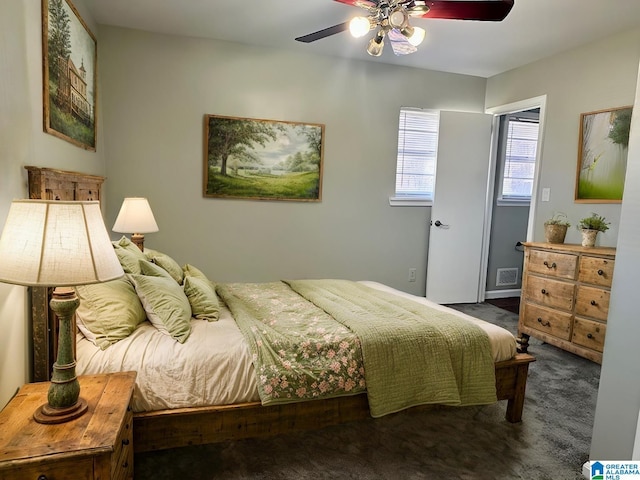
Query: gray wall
594,77
508,227
23,142
614,428
156,90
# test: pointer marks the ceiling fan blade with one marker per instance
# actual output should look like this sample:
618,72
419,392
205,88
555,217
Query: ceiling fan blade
483,10
327,32
399,43
359,3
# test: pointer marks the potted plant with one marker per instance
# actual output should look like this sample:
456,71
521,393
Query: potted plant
555,229
590,226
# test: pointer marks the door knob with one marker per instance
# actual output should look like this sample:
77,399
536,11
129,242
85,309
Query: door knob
438,223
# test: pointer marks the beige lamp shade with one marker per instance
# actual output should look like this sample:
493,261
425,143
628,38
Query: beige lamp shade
56,243
135,216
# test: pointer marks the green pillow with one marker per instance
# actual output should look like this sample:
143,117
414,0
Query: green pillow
190,270
166,305
153,270
170,265
108,311
129,255
202,297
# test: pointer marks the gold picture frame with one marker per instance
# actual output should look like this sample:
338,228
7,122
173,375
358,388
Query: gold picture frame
602,155
69,60
259,159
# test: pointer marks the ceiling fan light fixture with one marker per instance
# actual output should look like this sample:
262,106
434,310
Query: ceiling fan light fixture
416,37
399,18
419,8
359,26
376,44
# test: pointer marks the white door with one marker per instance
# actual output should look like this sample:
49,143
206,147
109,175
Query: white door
459,206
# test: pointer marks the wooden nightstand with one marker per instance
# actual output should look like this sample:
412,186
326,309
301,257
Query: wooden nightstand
98,445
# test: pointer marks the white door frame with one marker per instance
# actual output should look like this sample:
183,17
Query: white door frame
528,104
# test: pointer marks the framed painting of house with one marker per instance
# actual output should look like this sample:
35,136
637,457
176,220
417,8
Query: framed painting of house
262,159
69,52
602,155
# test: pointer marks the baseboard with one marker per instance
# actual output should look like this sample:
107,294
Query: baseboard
491,294
585,469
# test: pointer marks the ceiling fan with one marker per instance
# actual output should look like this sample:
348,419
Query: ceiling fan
391,19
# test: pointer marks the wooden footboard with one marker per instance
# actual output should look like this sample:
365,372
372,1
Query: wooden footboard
202,425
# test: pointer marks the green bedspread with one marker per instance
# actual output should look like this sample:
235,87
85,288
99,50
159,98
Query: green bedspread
408,360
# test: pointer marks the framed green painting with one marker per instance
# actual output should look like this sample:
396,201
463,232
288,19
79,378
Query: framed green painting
602,155
260,159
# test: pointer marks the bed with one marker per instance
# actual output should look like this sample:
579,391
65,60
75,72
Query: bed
202,381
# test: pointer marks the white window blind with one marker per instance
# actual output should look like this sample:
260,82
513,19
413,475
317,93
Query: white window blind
520,158
417,150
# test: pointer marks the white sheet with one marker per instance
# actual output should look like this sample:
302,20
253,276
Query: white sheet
213,367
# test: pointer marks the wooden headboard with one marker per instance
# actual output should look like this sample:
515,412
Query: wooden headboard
52,184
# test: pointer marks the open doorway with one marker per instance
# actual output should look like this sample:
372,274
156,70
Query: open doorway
518,130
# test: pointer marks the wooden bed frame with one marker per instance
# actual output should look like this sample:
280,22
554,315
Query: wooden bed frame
201,425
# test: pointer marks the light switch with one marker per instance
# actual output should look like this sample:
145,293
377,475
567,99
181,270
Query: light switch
546,192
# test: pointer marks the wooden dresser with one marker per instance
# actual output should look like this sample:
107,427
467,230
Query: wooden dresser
97,445
565,297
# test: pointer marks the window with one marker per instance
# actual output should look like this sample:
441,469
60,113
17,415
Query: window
417,150
519,141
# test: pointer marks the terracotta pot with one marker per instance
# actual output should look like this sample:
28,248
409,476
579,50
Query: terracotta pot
589,237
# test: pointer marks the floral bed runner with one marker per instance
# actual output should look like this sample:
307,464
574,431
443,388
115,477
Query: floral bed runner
299,351
412,354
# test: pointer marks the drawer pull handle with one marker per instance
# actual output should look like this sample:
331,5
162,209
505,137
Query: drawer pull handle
594,303
544,324
546,264
42,477
589,335
600,272
125,441
544,292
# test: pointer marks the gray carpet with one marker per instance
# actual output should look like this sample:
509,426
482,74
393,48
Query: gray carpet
551,443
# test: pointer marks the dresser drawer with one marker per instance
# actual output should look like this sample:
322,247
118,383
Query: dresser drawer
561,265
68,469
589,334
551,293
122,458
549,321
592,302
596,271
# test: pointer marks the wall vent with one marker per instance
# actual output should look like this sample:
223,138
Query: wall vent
507,277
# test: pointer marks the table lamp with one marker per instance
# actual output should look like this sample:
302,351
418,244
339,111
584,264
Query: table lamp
59,244
135,217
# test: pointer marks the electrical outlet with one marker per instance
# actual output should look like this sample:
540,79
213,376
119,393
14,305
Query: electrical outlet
412,274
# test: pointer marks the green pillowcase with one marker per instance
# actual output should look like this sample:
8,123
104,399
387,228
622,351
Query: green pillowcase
153,270
108,311
190,270
167,306
170,265
202,297
129,255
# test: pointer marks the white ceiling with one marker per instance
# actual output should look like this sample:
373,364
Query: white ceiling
534,29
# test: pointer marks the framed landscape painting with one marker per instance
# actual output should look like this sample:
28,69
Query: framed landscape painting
602,155
262,159
69,52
